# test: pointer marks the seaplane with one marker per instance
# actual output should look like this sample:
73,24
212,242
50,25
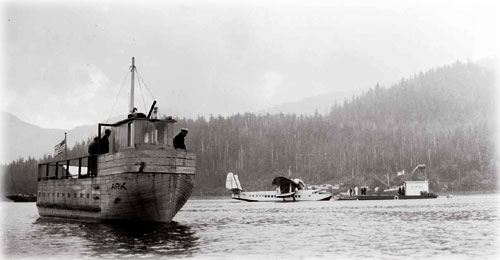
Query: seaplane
286,190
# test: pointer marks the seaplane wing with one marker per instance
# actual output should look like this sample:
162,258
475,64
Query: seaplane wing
285,195
284,181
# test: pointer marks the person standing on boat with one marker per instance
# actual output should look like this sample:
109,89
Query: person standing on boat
179,139
93,152
104,142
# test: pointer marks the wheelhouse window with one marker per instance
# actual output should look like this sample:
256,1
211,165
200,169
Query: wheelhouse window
130,134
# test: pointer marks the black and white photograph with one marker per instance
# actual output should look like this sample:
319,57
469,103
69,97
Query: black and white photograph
250,129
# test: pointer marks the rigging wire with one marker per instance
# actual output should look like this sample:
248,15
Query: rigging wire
142,95
140,78
116,100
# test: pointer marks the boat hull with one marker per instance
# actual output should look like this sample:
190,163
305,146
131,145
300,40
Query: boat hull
135,194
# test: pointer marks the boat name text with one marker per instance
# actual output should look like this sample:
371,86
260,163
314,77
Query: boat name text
118,186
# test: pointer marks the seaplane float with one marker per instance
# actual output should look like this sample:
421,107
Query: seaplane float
286,190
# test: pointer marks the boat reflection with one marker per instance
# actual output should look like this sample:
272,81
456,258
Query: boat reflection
114,239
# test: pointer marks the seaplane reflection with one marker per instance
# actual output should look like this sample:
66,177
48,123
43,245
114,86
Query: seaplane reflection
123,238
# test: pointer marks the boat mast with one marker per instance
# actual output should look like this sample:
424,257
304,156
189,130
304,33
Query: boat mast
131,103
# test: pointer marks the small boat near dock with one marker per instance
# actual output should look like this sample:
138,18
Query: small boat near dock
410,190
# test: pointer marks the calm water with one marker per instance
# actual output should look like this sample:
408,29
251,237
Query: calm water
464,227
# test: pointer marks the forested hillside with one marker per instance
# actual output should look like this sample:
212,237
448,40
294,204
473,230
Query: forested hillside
444,118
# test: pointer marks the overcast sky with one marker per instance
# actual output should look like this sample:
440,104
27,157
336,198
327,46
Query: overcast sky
65,62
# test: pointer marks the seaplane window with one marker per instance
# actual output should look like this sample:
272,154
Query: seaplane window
88,195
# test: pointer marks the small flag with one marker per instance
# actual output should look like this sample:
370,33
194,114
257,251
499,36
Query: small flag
401,173
60,147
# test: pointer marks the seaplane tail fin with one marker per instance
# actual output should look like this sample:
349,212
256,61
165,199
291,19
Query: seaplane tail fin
238,184
232,182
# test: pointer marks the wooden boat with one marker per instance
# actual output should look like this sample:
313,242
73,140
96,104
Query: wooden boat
142,178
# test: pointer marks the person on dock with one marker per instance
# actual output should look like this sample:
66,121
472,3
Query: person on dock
179,139
93,152
104,142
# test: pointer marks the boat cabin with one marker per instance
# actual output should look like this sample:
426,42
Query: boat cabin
139,133
416,188
133,133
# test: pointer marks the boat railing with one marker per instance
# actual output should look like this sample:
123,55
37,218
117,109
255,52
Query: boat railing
80,167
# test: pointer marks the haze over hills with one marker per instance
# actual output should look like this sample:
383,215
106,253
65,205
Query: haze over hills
34,141
24,139
321,104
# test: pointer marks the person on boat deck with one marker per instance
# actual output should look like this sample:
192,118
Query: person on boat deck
179,139
94,146
104,143
93,152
